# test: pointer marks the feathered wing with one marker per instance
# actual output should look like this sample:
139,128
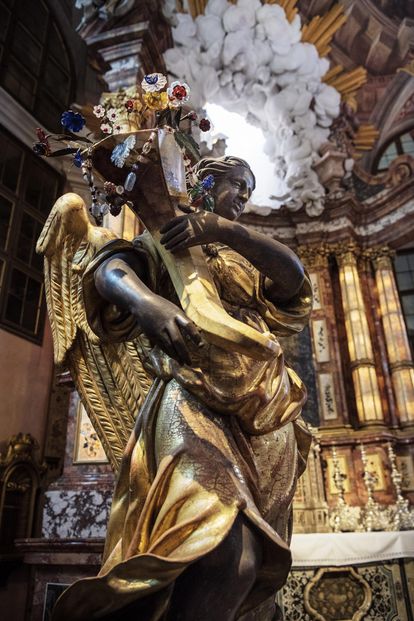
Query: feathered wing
110,378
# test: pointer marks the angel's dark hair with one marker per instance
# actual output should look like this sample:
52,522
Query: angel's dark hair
219,166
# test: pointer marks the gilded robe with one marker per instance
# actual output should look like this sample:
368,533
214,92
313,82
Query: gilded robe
220,437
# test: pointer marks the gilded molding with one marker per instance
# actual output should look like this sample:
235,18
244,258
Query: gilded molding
21,472
321,30
401,364
21,448
362,362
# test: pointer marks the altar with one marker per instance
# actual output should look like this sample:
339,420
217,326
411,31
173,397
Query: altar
335,576
351,576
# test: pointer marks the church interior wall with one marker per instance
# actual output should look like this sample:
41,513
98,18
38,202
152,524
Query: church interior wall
372,211
24,393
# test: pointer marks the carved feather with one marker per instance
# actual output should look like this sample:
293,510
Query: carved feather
110,378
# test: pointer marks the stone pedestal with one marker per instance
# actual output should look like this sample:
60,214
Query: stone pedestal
51,565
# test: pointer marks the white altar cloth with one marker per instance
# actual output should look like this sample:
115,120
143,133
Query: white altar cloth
339,549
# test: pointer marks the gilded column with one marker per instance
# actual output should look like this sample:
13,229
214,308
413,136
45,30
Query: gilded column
396,339
368,399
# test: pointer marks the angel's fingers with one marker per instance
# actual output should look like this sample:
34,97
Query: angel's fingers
172,223
178,240
182,245
164,342
185,208
180,348
189,329
179,228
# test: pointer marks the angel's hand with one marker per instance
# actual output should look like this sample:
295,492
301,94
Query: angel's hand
168,327
165,324
194,229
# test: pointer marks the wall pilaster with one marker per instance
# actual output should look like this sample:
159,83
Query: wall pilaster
400,360
327,357
367,393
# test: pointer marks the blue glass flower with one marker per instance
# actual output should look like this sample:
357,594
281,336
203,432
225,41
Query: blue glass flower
77,160
153,82
73,121
121,151
208,182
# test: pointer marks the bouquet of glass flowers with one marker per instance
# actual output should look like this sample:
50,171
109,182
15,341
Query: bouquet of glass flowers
155,104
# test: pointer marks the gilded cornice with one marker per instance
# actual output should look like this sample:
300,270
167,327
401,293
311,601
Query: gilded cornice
346,253
381,256
315,256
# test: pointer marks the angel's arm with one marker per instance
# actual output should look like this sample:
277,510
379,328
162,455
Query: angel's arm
119,280
282,268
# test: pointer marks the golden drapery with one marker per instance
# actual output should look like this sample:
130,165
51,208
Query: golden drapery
220,437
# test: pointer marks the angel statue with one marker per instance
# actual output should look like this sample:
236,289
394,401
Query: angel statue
172,341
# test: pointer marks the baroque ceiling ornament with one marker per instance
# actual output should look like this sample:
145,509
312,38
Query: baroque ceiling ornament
255,59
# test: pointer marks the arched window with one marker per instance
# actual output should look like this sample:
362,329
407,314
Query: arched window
35,65
404,143
28,189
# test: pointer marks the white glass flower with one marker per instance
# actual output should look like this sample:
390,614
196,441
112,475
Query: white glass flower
153,82
112,114
99,111
106,128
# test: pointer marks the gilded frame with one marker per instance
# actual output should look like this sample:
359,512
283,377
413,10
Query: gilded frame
362,610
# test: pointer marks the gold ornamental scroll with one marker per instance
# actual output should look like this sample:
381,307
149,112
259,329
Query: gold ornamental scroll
159,190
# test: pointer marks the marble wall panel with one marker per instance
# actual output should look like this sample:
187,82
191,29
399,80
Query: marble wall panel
316,290
327,396
321,340
405,465
76,514
298,353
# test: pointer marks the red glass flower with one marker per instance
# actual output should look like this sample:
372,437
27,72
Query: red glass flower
179,92
204,125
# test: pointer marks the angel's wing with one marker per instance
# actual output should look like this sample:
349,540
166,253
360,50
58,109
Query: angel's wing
110,378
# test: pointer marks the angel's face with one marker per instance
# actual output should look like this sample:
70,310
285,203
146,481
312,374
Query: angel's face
232,191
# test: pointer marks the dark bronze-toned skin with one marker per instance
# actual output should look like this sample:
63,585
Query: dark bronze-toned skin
220,581
283,269
162,321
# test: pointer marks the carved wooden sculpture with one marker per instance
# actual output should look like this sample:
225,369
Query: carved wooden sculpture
201,512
